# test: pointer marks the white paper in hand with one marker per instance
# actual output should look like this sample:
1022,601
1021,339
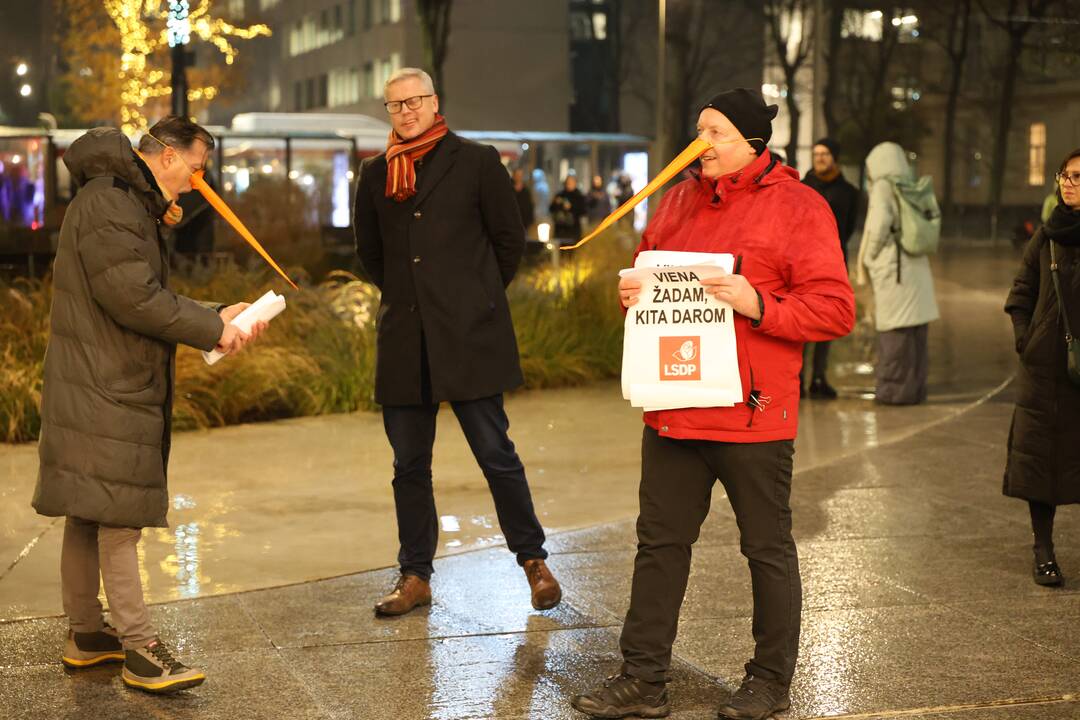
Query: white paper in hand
266,308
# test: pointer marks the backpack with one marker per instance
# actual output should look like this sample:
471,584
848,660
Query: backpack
919,215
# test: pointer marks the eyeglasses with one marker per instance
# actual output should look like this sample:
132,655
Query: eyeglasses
394,106
179,157
1072,178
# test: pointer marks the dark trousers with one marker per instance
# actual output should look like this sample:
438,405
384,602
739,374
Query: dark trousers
903,365
411,431
821,360
677,477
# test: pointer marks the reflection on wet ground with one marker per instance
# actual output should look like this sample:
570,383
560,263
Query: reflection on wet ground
294,490
918,596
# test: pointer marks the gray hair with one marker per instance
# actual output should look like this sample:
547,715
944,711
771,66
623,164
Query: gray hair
405,74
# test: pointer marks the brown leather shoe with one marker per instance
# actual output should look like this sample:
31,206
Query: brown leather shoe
409,592
546,592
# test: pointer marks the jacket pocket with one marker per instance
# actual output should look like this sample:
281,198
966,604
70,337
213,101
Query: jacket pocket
135,382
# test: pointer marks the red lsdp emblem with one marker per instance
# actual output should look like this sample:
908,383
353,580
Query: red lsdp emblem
680,358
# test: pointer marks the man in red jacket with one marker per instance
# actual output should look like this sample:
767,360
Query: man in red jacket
790,287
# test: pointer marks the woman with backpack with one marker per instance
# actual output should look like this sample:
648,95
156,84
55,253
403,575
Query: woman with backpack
903,285
1043,465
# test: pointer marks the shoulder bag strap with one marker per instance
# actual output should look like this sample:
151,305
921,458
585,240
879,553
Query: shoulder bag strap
1057,290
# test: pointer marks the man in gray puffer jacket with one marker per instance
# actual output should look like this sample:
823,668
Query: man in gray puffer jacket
107,396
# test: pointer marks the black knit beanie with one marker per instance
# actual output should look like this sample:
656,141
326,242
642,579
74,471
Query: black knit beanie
747,111
833,146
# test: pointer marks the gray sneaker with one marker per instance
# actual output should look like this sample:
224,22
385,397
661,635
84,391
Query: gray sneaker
154,669
93,648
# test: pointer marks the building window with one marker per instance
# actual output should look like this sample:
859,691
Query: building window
905,95
599,21
298,96
267,4
344,87
580,26
369,13
386,69
309,94
350,18
234,9
315,31
383,12
1037,155
870,24
862,24
368,81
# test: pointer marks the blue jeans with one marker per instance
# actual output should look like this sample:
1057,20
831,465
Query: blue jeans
411,431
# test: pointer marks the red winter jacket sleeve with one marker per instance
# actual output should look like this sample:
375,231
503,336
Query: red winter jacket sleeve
818,303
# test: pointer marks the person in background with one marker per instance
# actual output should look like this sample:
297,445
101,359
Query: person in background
568,210
904,303
541,191
524,199
597,202
826,178
1043,465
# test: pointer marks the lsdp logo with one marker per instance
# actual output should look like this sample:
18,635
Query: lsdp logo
680,358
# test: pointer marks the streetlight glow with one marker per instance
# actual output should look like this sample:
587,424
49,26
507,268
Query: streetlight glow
21,69
25,90
179,23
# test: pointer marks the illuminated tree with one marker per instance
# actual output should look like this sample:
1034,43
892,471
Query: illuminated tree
100,82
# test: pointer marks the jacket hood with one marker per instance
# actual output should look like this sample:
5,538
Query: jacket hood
887,160
106,152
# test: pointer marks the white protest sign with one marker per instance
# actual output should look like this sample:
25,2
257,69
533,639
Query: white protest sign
679,342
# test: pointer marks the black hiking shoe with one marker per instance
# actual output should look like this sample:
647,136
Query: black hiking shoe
756,699
154,669
622,696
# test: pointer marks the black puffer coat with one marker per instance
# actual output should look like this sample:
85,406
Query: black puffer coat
1044,441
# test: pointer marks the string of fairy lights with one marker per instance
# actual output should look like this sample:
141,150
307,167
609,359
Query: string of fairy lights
147,26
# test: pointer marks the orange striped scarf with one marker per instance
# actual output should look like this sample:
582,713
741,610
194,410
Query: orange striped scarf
401,156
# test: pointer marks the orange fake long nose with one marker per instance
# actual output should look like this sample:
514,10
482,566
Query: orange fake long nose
198,183
693,151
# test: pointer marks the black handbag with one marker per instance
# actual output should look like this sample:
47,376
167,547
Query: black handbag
1072,343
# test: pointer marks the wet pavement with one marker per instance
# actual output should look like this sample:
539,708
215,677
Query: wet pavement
918,596
295,488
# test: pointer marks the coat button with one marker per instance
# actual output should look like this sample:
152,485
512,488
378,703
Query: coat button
663,428
416,214
416,259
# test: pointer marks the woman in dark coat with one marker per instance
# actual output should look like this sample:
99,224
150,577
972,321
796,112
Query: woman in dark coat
567,211
1043,465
